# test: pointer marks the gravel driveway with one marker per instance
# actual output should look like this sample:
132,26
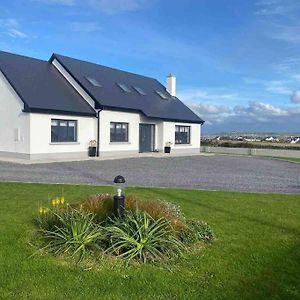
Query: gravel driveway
232,173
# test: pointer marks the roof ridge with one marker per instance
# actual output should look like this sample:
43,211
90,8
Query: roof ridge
103,66
21,55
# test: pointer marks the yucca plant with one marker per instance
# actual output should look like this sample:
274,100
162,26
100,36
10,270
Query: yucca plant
139,236
76,234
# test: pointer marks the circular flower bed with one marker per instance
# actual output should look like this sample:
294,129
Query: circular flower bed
149,231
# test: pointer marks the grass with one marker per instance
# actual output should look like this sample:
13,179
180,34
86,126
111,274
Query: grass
297,160
256,254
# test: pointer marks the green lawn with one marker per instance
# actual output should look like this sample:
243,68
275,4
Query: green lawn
256,254
289,158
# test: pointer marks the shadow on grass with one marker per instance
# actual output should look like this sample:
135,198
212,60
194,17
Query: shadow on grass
278,279
237,215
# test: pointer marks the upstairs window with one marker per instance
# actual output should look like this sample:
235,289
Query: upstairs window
182,134
93,81
139,90
118,132
124,87
63,131
162,95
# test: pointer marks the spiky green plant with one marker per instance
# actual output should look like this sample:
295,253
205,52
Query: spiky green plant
139,236
76,234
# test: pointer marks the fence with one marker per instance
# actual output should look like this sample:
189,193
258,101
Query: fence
249,151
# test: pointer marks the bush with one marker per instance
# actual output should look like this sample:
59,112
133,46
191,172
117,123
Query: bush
100,205
197,231
158,209
76,234
139,236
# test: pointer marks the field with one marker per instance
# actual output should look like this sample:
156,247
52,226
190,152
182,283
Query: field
255,256
257,145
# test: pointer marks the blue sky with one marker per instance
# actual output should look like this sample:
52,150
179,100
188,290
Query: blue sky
237,62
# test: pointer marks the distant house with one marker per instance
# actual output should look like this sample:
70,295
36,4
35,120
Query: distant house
271,139
295,140
53,109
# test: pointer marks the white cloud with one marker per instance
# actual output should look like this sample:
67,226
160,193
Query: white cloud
272,86
286,33
255,112
84,27
280,20
198,94
119,6
11,27
17,33
295,98
207,108
276,7
260,110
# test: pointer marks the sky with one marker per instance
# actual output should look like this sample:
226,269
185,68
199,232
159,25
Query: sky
237,62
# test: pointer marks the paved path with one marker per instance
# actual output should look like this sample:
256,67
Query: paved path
232,173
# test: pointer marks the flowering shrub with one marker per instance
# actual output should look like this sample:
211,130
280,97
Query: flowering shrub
47,219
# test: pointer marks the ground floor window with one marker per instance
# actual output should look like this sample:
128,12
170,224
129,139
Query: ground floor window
118,132
182,134
63,131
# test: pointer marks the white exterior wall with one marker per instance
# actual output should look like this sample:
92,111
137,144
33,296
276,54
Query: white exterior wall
14,124
164,132
134,119
195,136
40,133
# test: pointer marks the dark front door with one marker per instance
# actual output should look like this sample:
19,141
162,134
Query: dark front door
147,135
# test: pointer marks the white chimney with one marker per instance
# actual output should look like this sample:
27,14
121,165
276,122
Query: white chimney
171,84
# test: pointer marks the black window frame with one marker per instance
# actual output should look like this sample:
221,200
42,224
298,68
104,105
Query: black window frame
114,135
60,138
178,139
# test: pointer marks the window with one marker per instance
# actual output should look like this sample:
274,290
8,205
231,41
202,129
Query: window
63,131
182,134
118,132
162,95
93,81
124,87
139,90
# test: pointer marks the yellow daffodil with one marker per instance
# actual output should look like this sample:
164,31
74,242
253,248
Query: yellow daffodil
57,201
53,202
46,210
41,210
62,200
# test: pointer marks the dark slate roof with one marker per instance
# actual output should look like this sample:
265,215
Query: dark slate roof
41,87
112,97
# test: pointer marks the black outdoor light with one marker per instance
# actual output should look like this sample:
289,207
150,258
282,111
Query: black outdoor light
119,197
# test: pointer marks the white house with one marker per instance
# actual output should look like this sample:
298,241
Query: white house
53,109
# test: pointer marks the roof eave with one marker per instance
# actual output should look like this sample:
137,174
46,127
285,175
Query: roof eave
58,112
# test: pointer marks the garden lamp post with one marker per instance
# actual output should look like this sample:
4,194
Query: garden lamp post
119,197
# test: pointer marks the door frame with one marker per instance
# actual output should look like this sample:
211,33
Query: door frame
153,137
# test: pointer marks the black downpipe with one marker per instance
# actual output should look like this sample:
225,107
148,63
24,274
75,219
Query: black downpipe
98,131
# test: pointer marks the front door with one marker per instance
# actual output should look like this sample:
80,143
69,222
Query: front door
147,136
